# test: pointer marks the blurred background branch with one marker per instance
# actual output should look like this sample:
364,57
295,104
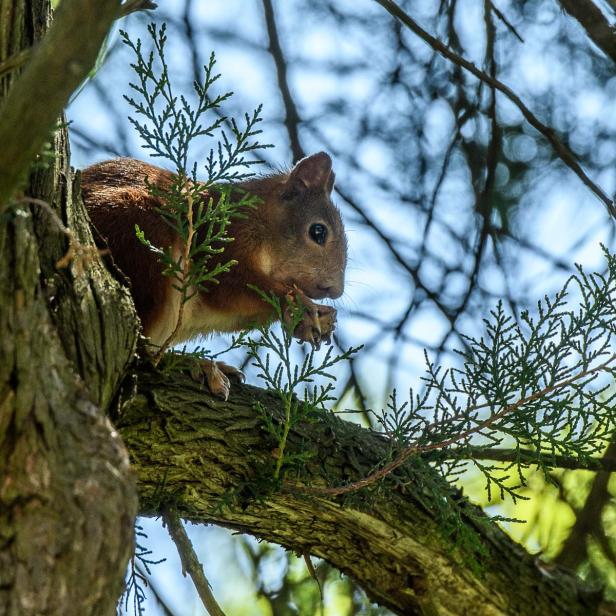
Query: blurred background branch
597,27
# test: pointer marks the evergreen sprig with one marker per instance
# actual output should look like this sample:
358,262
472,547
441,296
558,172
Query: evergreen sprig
199,211
136,580
541,384
171,123
294,384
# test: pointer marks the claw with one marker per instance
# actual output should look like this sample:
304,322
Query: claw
218,376
317,323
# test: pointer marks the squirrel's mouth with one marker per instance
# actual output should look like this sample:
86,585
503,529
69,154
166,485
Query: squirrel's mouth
323,293
329,288
310,292
315,296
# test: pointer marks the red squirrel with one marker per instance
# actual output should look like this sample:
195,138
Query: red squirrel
292,244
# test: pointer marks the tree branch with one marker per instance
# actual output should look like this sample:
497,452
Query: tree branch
532,457
132,6
291,119
12,63
190,562
588,520
210,457
598,29
58,64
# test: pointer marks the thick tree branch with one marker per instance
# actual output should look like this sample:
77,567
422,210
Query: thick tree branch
598,29
58,64
67,497
209,458
68,335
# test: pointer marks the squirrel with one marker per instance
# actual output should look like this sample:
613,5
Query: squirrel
292,244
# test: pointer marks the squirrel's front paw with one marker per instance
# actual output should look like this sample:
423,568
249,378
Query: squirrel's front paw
317,325
218,376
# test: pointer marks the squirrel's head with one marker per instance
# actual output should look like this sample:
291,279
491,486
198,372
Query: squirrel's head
308,247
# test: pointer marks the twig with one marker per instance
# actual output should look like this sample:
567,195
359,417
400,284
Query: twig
190,562
563,152
312,572
527,456
415,449
81,254
507,23
141,571
398,257
49,210
288,402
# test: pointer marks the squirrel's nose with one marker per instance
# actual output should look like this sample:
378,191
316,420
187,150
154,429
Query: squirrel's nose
333,291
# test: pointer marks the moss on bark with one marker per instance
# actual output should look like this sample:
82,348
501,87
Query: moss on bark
194,450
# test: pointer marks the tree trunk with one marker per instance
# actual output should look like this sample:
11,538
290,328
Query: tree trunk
67,498
208,458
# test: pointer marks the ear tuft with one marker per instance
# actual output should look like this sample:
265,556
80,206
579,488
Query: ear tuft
314,171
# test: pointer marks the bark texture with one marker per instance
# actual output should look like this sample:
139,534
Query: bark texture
67,498
195,452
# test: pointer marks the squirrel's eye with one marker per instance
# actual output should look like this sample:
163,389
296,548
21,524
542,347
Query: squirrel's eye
318,233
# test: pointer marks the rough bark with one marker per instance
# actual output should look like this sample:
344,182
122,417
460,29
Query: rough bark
67,499
195,452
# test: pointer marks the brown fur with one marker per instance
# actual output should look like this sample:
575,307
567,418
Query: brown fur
272,244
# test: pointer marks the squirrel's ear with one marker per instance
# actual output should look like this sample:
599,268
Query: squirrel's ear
314,172
330,182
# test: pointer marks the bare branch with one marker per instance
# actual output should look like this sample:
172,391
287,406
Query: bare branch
507,23
132,6
563,152
291,115
12,63
575,547
190,562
